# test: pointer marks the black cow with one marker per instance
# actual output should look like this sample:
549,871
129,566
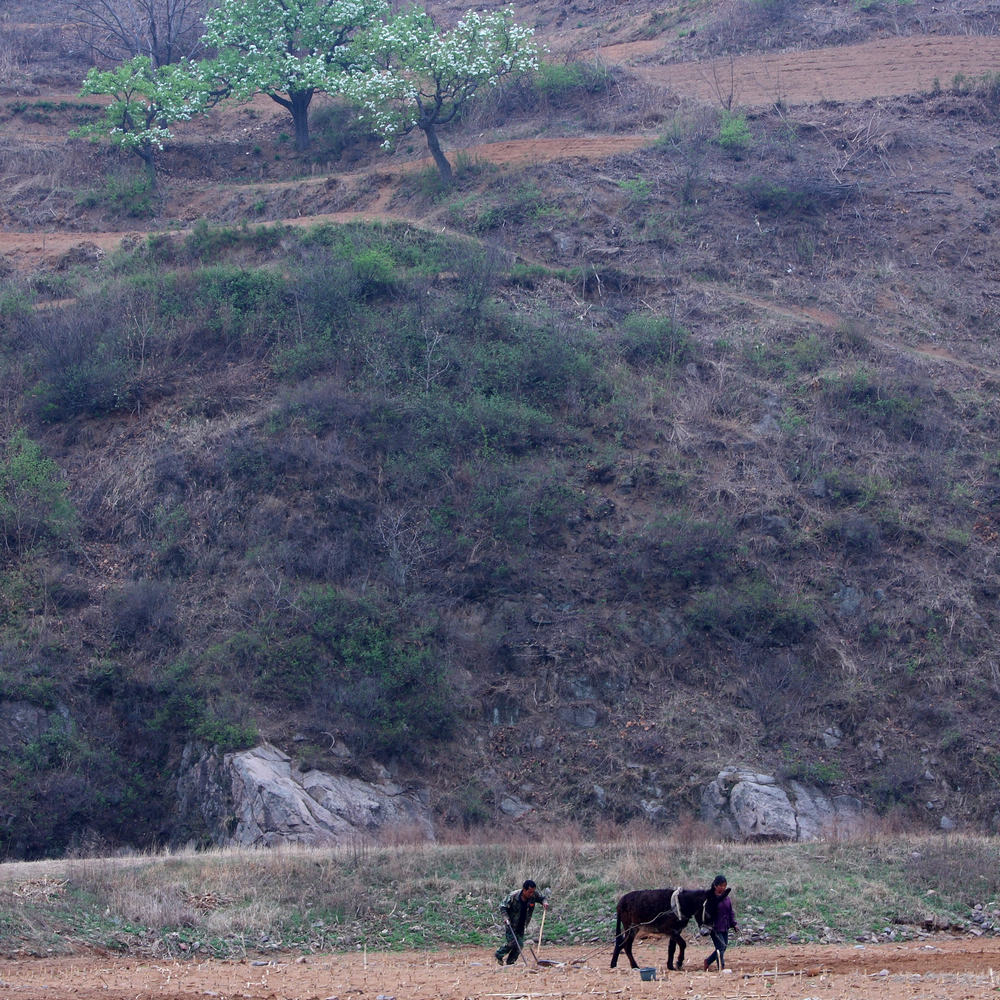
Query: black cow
662,911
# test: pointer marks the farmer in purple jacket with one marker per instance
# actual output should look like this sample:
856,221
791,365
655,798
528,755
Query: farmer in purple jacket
724,921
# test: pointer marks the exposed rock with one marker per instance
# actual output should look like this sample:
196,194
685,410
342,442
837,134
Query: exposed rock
762,812
514,807
564,242
776,526
579,715
257,798
848,601
22,722
743,803
653,811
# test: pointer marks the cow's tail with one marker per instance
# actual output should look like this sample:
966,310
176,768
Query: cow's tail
618,924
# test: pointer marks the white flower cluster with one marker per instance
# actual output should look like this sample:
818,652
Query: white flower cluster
401,70
284,46
424,75
145,102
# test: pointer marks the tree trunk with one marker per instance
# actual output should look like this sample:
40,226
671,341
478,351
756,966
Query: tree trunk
148,157
300,116
439,158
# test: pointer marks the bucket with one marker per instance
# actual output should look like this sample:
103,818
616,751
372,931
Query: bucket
647,973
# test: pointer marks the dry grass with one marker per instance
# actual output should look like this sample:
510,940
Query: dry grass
229,902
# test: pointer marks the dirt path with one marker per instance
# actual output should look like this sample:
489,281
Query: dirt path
887,67
938,968
30,250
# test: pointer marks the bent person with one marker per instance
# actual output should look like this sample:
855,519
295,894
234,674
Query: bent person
517,909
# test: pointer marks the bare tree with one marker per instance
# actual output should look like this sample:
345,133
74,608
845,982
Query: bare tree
117,30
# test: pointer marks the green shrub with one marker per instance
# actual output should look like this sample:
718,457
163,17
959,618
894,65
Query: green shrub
227,736
637,190
650,339
381,678
375,271
532,511
734,132
130,196
15,305
753,609
34,496
804,196
812,772
206,242
304,358
515,205
239,310
557,83
679,551
897,412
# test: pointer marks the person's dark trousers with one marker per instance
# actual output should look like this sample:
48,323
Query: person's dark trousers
511,948
721,941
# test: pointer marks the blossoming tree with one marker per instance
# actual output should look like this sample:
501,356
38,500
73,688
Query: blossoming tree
145,102
287,49
421,76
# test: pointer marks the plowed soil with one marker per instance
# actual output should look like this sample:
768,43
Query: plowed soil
940,968
886,67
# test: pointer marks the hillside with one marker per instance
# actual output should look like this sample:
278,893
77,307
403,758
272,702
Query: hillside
664,439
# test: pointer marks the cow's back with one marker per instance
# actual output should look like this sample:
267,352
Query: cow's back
647,910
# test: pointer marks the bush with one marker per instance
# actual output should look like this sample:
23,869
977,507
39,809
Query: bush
206,242
801,197
754,609
15,309
239,310
650,339
144,607
896,411
516,204
382,679
680,552
375,272
560,83
34,496
734,133
778,686
79,362
131,196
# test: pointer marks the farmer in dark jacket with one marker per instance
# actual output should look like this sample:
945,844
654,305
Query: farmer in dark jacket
725,920
517,909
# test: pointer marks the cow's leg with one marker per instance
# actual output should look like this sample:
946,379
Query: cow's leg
680,952
671,945
619,941
629,938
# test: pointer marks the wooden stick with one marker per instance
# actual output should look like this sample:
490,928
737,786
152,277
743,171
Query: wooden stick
541,927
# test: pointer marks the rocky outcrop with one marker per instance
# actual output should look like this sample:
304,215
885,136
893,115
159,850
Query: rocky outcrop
22,723
745,804
258,798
